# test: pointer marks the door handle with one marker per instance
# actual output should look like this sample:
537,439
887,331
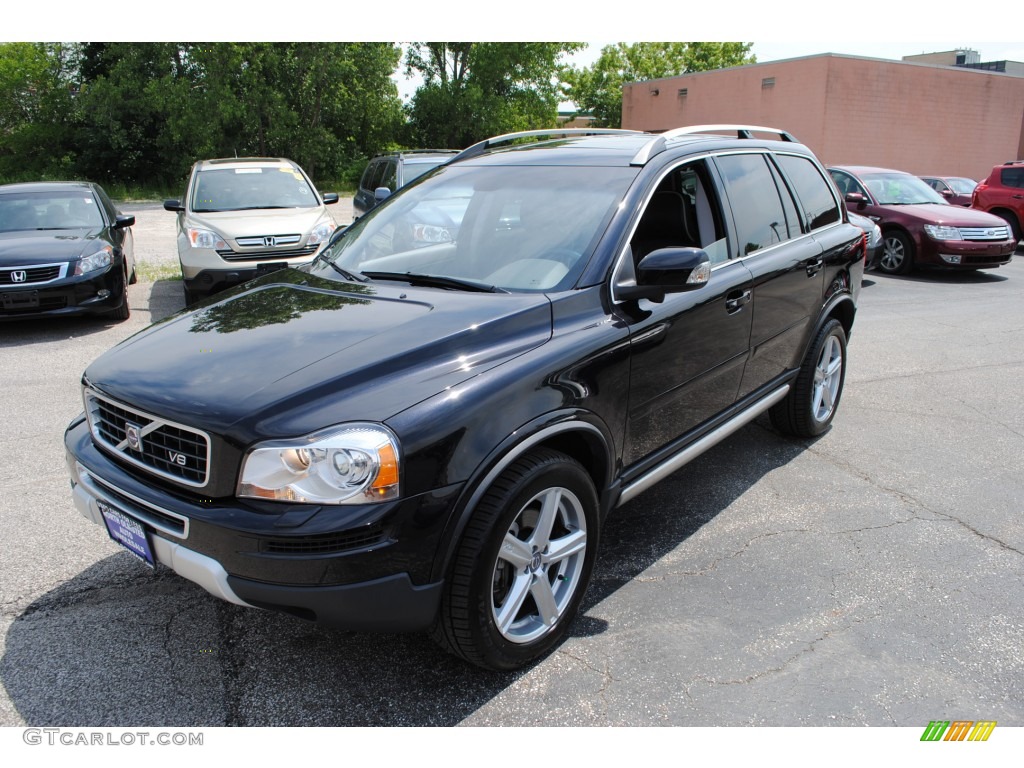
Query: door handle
734,302
815,266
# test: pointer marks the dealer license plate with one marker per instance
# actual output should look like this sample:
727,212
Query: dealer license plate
128,532
20,300
268,267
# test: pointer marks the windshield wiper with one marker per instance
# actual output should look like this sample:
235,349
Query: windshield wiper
436,281
346,274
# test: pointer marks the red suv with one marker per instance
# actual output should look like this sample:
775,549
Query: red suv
1002,193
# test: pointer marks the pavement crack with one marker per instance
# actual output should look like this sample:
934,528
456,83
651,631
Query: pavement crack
231,661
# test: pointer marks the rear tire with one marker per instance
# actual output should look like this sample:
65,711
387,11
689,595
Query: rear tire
811,404
522,565
1012,222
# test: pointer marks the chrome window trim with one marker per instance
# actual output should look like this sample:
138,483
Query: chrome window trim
88,393
703,156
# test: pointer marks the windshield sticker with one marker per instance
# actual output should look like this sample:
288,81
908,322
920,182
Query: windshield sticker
248,170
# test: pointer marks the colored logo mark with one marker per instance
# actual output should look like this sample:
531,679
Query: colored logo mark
958,730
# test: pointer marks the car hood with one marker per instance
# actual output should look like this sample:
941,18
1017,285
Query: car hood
952,215
258,223
292,353
23,248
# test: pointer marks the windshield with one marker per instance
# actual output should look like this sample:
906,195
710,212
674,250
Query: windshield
516,228
413,170
240,189
962,186
900,189
66,209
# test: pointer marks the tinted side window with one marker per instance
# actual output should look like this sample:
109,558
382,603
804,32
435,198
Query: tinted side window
756,207
390,178
1013,177
364,182
812,191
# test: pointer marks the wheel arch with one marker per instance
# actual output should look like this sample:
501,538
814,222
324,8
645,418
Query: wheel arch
581,436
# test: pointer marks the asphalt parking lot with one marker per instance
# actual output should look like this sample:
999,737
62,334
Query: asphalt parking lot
874,576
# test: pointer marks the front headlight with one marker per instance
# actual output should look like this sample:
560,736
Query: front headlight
942,232
321,232
349,464
204,238
102,258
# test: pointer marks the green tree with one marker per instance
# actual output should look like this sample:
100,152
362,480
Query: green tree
474,90
597,89
38,86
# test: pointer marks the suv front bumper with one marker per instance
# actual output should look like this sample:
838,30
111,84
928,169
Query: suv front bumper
237,553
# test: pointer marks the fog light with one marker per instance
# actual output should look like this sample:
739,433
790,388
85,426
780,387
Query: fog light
950,258
103,293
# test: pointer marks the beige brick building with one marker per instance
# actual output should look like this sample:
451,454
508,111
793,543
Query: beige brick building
920,118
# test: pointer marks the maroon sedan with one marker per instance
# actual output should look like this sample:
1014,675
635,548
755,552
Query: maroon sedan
918,226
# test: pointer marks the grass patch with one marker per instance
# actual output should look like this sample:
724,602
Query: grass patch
150,273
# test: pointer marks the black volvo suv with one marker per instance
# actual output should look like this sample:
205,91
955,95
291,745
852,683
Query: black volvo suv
424,428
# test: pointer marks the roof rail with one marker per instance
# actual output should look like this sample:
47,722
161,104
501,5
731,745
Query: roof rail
419,152
1014,162
658,144
482,146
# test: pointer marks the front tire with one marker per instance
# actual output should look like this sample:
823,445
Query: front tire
897,254
811,404
522,565
124,311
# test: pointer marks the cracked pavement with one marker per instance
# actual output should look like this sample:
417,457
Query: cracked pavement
874,576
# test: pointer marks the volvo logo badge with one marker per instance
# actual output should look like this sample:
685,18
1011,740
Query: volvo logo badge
131,433
19,276
270,242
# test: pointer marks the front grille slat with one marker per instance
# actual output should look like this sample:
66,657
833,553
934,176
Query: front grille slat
264,254
170,450
34,274
985,233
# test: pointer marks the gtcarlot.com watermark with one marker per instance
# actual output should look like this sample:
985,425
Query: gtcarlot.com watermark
77,737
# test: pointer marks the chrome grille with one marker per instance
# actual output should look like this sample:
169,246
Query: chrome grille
266,255
985,233
165,448
268,241
35,274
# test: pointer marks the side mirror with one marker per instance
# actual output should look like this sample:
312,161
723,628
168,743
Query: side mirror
123,221
668,270
330,198
173,205
857,198
380,194
946,193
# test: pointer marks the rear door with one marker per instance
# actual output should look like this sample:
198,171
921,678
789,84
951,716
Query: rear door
785,260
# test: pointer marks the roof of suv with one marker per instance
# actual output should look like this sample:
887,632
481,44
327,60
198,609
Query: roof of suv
242,162
613,147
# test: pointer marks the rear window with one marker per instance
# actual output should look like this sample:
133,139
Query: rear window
1013,177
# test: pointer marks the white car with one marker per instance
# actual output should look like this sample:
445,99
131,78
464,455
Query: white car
243,217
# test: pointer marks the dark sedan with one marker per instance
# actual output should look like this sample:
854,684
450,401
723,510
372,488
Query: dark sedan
64,250
957,190
919,227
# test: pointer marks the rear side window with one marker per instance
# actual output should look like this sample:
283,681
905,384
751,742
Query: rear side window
756,205
812,191
1013,177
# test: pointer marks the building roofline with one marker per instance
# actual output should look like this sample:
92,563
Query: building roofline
825,56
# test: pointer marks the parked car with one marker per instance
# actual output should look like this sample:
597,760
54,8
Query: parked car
873,234
244,217
65,249
956,190
443,429
386,174
919,227
1002,194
